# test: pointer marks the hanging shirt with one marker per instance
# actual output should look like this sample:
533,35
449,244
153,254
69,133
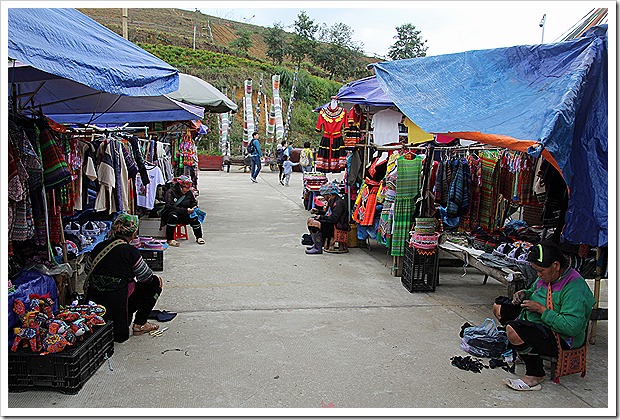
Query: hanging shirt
385,126
415,135
146,193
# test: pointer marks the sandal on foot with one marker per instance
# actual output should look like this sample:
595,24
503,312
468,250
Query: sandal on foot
200,241
147,327
173,243
519,385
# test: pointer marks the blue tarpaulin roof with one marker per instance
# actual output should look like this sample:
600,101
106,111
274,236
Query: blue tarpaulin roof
364,92
66,101
67,43
549,96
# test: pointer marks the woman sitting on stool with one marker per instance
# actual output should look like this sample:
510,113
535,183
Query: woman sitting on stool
180,203
322,226
530,324
120,280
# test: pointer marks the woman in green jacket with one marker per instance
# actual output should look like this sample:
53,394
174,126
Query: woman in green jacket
530,324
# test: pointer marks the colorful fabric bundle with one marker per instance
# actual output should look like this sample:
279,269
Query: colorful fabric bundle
56,172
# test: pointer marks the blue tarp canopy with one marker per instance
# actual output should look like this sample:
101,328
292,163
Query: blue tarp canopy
365,92
552,98
67,43
66,101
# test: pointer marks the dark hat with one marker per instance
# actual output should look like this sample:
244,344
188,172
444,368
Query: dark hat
546,253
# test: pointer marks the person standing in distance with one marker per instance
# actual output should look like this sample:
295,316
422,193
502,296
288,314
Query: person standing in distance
255,156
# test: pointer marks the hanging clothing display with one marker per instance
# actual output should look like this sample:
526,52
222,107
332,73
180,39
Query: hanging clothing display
385,126
407,188
331,157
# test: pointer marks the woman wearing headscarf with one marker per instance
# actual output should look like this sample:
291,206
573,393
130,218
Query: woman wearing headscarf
559,300
120,280
180,206
322,226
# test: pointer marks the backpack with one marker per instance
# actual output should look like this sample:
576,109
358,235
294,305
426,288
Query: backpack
279,155
251,147
304,159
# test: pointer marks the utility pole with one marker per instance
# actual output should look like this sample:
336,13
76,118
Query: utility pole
124,14
542,25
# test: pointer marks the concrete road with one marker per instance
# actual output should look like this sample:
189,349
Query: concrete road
261,325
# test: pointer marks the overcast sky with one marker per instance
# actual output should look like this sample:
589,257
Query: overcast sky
447,27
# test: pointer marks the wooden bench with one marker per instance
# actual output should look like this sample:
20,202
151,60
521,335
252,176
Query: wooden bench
513,280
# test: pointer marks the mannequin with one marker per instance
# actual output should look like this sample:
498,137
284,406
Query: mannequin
331,156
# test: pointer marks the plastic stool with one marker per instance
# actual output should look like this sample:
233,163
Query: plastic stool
180,232
340,238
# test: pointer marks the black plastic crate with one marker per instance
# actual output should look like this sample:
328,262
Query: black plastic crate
154,259
420,271
67,371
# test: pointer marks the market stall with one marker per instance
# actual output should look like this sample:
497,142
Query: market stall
67,181
553,104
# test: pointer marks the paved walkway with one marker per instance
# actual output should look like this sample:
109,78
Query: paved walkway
262,325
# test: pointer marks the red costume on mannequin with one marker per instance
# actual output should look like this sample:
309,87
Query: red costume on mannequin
332,155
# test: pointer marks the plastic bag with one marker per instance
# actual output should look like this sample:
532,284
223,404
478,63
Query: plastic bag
485,340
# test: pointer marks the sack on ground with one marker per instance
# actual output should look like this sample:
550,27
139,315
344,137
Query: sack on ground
485,340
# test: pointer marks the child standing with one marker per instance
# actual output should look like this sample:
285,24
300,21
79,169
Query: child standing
288,169
306,158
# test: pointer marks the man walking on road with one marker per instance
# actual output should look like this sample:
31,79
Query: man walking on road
255,156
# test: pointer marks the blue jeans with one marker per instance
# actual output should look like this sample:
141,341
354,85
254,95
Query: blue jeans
255,166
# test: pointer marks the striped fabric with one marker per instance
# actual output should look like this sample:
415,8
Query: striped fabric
142,271
472,219
526,180
407,188
488,189
55,169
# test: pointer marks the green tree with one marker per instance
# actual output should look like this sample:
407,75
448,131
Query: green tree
303,43
409,43
275,39
242,43
338,54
